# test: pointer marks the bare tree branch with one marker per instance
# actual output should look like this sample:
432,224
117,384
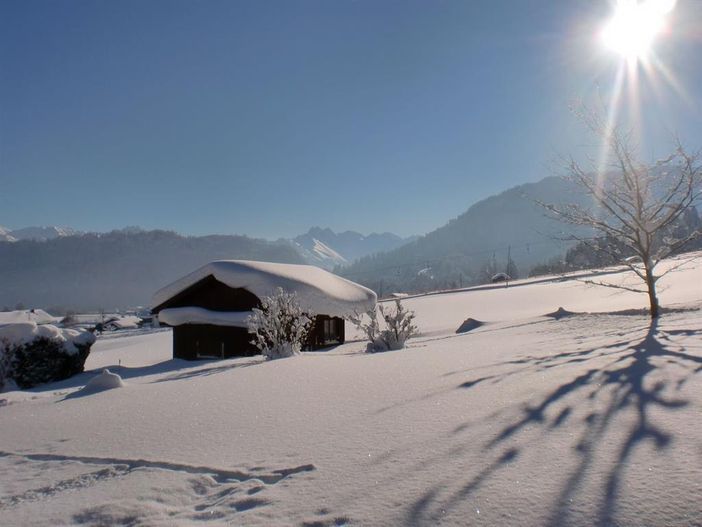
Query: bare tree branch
613,286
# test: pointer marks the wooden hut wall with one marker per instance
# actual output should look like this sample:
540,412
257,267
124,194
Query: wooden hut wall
326,331
196,341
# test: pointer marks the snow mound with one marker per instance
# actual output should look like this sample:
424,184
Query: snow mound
176,316
559,314
318,291
26,332
105,381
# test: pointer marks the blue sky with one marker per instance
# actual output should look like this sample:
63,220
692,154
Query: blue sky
267,117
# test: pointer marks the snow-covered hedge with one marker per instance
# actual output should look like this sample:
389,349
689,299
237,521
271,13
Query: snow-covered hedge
399,327
279,327
32,354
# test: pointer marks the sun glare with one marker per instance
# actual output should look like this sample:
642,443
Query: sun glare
635,25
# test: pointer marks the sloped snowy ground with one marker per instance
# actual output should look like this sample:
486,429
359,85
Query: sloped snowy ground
590,419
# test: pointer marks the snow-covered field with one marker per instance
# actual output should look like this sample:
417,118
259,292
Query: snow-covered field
589,419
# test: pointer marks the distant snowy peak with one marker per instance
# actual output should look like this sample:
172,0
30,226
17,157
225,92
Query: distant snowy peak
327,253
326,248
5,235
38,233
319,254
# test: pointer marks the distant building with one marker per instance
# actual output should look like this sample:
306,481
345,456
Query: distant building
500,277
38,316
121,322
208,308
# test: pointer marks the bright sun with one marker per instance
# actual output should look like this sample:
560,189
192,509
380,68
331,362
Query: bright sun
634,26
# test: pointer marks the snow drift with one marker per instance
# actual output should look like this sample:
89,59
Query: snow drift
106,380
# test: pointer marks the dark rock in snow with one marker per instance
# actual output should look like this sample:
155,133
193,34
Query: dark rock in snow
469,324
559,314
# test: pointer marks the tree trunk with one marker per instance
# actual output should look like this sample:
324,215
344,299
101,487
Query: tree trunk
652,297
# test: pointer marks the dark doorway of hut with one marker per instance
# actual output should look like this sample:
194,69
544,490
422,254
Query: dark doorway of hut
209,349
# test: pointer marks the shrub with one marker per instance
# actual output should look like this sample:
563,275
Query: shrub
399,327
31,354
279,326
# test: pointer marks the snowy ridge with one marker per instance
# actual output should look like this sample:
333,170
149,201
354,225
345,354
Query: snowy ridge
43,233
36,233
318,291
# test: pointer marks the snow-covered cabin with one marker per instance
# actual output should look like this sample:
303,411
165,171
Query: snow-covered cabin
208,308
122,322
38,316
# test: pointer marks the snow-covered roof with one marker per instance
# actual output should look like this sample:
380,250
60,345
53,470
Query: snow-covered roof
125,322
38,316
318,291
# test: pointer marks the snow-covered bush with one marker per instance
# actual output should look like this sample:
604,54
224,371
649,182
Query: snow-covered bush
279,327
33,354
399,327
370,328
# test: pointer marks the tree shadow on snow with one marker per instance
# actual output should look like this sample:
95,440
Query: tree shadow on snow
624,384
169,370
212,370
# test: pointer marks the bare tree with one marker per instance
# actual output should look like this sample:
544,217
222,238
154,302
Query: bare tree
633,203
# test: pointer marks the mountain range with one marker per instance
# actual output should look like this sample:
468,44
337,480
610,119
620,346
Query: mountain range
506,230
318,246
123,268
118,269
64,269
